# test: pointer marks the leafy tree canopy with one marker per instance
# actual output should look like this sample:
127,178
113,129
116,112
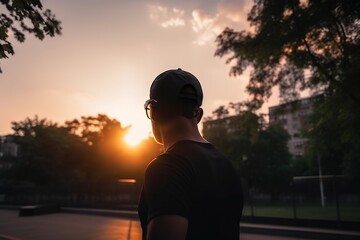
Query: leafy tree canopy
297,45
24,16
311,45
85,153
49,154
96,129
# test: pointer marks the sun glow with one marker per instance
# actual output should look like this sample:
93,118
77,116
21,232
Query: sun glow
136,135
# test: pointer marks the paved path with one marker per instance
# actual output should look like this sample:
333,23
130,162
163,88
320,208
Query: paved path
63,226
67,226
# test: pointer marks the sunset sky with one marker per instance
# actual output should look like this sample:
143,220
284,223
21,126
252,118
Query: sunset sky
110,52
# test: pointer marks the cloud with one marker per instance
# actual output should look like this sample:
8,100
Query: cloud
228,14
236,11
205,23
166,17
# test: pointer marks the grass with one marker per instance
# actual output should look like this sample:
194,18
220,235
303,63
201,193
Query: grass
347,213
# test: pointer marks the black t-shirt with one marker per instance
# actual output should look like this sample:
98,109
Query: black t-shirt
195,181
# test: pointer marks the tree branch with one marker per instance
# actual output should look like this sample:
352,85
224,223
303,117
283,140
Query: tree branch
327,75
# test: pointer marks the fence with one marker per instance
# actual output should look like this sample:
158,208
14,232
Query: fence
116,196
339,202
302,201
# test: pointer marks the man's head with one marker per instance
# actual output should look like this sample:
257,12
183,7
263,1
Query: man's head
174,94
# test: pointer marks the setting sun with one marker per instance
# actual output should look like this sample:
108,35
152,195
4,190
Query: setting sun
136,135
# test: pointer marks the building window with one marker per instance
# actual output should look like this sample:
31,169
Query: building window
298,145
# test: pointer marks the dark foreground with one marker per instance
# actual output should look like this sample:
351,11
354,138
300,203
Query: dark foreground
64,226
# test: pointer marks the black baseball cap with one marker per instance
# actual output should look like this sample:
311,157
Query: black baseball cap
169,85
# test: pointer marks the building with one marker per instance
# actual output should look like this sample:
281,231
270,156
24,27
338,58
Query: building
228,123
294,118
243,124
9,150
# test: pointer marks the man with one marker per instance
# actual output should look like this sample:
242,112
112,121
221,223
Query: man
191,191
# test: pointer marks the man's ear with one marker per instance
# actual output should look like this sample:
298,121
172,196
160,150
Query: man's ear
199,114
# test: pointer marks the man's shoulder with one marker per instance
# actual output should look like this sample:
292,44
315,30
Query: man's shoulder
168,162
168,172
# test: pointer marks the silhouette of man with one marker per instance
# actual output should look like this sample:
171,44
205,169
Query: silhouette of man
191,191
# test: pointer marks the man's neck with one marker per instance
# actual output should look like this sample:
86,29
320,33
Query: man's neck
181,131
168,144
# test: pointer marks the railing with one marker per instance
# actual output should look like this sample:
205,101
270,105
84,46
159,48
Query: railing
301,201
340,201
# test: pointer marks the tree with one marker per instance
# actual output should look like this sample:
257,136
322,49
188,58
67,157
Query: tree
292,38
25,16
221,112
107,155
49,154
96,129
86,156
226,131
335,138
260,155
268,164
304,45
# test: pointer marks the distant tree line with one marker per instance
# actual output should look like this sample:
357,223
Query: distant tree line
85,154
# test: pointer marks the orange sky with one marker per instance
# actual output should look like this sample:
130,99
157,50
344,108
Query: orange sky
110,52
